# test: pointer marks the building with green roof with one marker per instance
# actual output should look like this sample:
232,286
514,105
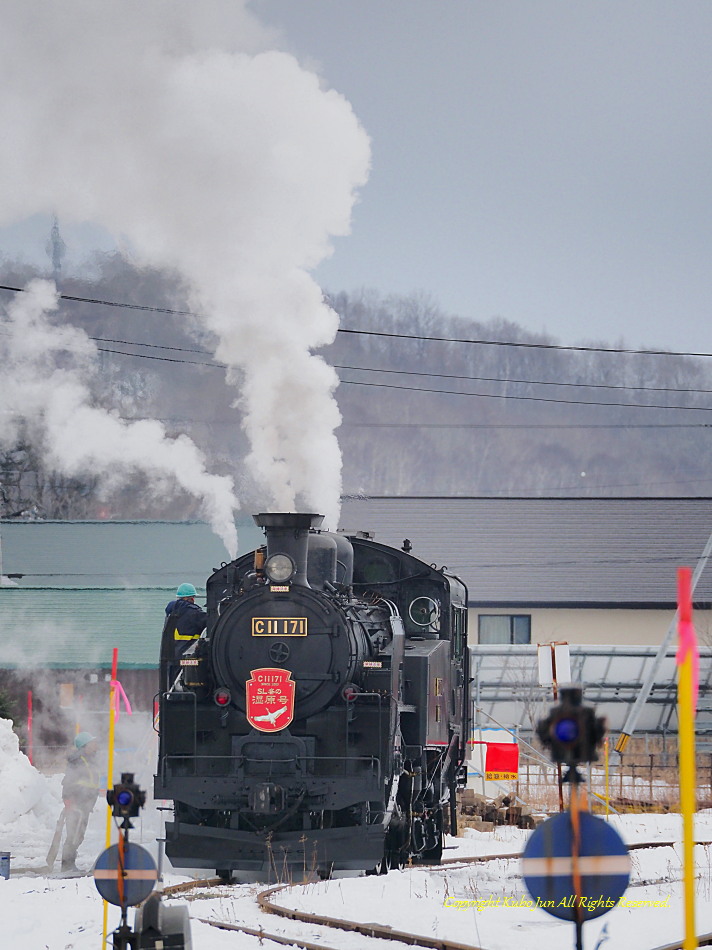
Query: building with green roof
71,592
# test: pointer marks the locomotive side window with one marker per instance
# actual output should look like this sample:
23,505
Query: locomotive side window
425,612
421,606
377,568
459,632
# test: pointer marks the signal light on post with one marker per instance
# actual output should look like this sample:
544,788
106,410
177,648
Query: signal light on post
572,732
566,730
126,798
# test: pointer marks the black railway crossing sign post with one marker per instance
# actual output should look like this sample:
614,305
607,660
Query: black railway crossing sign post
125,875
572,879
575,866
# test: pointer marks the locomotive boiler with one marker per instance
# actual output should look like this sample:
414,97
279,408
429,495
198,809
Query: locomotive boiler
321,721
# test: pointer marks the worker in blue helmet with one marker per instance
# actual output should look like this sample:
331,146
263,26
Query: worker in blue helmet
80,789
185,621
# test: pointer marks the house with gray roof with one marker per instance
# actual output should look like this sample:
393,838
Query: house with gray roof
600,571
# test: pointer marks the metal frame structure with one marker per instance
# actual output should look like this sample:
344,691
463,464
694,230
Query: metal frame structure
505,687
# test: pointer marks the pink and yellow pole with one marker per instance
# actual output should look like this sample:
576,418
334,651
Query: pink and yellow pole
30,749
687,686
110,767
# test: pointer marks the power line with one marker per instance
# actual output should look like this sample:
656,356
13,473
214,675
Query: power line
535,346
110,303
566,402
442,392
527,382
404,372
153,346
522,425
213,364
398,336
161,359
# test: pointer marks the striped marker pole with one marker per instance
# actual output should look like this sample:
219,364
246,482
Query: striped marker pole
110,770
575,858
686,703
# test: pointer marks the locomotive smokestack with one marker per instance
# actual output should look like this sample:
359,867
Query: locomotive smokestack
288,533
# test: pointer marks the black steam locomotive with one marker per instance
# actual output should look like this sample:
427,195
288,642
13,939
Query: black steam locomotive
321,721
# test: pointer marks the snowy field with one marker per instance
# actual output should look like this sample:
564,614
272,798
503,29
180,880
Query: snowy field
473,904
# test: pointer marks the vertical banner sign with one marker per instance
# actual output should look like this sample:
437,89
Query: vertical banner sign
687,686
501,761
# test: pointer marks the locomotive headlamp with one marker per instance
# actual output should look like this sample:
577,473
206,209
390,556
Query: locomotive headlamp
222,696
280,568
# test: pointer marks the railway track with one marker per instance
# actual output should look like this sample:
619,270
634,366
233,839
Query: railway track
268,903
704,941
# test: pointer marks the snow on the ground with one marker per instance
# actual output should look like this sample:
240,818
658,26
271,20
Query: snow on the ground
477,904
49,913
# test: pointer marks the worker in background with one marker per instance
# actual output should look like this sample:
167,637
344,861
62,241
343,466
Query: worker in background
80,788
185,621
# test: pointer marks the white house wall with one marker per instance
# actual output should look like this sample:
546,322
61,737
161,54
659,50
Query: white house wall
598,627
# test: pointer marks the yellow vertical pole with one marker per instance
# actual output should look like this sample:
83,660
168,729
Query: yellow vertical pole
686,744
110,769
688,804
608,787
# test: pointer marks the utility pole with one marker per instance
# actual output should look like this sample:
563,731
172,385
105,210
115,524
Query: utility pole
634,714
56,250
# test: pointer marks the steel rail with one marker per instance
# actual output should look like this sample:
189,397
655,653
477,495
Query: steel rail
705,940
447,862
371,929
382,931
265,935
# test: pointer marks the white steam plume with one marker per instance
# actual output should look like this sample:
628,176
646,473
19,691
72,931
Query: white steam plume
162,121
45,370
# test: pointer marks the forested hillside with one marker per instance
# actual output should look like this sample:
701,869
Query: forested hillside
432,404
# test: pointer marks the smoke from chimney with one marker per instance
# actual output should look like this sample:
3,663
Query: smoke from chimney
175,126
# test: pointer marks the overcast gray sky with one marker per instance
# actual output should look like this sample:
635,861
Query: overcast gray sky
547,162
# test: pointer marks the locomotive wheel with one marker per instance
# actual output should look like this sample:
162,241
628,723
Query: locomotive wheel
435,853
224,875
397,860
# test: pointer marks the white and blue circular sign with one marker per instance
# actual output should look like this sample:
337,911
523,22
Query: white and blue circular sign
576,888
127,886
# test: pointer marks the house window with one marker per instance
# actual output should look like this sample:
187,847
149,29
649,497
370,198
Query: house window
505,628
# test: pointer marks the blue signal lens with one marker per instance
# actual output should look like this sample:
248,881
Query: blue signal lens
124,798
566,730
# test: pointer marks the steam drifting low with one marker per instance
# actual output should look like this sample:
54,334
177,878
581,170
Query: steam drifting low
45,373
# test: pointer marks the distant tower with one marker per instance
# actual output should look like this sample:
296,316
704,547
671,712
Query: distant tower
56,249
